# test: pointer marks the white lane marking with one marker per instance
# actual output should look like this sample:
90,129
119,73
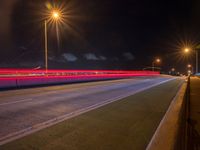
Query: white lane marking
15,102
19,134
77,88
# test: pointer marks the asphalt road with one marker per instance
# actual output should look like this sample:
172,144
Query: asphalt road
24,108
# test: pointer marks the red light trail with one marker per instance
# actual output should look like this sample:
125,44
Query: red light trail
28,77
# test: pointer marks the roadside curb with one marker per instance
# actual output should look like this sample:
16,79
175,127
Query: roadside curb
166,133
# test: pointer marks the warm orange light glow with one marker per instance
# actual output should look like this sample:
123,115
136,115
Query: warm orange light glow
55,15
189,66
158,60
186,50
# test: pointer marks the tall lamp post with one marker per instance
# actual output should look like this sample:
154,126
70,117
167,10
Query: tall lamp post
46,45
189,66
155,61
55,15
187,50
197,60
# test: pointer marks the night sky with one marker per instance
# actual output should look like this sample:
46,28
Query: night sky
100,34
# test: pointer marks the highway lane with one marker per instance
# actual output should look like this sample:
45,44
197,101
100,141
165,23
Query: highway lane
21,109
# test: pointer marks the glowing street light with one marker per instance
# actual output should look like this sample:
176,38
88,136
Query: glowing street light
189,66
189,72
55,15
157,60
187,50
173,69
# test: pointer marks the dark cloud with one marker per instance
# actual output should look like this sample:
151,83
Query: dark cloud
70,57
91,56
128,56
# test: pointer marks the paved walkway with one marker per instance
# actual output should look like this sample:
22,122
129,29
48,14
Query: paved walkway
195,112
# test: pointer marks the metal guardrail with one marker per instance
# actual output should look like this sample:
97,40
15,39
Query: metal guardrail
173,131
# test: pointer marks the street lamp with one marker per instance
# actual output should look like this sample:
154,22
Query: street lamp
55,16
187,50
155,61
189,72
190,67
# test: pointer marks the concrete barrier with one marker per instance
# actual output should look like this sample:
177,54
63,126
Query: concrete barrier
8,83
171,133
